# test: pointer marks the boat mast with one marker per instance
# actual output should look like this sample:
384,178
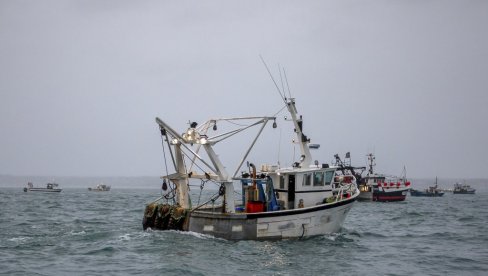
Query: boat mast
303,141
182,179
306,157
371,163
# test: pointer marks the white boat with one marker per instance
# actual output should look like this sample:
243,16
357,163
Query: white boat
383,188
463,189
100,188
304,200
432,191
50,188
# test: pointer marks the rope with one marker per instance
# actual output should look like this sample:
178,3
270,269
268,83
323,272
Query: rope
201,189
164,156
193,163
171,194
164,151
213,199
279,111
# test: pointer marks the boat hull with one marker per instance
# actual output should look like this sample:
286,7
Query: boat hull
464,192
365,196
382,195
365,193
389,195
425,194
296,223
44,190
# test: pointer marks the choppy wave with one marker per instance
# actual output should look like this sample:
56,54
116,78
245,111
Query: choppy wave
83,233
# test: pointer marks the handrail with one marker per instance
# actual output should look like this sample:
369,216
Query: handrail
344,187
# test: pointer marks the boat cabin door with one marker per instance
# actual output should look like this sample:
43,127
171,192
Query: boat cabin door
291,191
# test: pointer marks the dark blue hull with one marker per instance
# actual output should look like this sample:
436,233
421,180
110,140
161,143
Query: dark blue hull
464,192
426,194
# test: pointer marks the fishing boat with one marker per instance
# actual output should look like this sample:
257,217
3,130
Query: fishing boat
463,189
100,188
380,187
50,188
303,200
432,191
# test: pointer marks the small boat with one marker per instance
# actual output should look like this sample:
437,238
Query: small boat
378,187
50,188
100,188
306,199
463,189
432,191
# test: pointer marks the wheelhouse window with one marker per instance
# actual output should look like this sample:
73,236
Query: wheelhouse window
306,179
282,182
318,178
329,175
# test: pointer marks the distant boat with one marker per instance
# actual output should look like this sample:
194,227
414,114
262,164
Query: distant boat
100,188
380,187
50,188
432,191
463,189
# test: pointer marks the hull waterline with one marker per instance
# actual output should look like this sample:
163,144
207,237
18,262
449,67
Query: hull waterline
42,190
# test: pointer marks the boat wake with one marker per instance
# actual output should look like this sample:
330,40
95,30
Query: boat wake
198,235
125,237
19,240
73,233
150,232
341,237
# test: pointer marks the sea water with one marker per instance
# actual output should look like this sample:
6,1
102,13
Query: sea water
77,232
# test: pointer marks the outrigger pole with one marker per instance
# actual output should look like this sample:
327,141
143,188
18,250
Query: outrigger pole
193,136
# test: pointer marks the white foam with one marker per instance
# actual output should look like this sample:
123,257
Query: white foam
19,239
73,233
332,236
125,237
197,235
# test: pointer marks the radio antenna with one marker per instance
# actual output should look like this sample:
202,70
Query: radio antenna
276,85
281,79
286,79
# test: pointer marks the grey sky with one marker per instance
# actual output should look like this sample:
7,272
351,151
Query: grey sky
81,81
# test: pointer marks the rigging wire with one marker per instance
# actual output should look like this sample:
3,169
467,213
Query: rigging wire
201,189
171,194
213,198
164,151
287,85
165,134
279,111
193,163
234,123
281,79
276,85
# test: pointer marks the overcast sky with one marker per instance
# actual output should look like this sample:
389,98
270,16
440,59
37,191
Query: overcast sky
82,81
